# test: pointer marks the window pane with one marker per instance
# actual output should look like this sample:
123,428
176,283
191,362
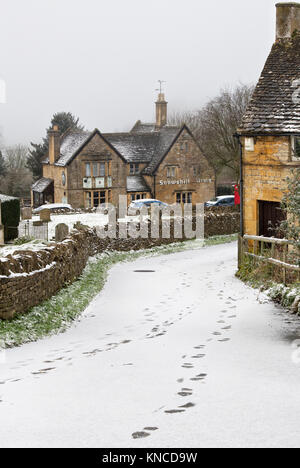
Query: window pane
137,168
178,198
189,197
184,198
131,168
102,169
102,197
96,199
87,170
95,170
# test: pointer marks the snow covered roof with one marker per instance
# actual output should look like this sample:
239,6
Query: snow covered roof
70,144
136,146
275,104
41,184
136,183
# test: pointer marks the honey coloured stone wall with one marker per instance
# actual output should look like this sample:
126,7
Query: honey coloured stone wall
265,172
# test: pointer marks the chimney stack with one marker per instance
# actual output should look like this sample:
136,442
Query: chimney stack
288,20
161,111
54,144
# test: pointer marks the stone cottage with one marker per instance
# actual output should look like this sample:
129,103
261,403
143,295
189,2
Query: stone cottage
270,130
153,160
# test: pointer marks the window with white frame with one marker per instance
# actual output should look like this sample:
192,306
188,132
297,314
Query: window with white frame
249,144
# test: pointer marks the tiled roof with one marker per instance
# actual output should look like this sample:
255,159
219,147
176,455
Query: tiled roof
275,104
141,146
136,183
41,184
135,146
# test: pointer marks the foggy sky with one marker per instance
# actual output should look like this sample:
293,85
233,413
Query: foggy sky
101,59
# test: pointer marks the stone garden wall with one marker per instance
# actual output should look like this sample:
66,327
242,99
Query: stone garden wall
29,277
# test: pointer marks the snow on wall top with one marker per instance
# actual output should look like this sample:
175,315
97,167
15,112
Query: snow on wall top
275,104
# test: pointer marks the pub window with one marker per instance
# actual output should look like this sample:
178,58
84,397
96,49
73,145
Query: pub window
102,169
88,199
296,149
96,199
184,197
134,168
171,171
87,170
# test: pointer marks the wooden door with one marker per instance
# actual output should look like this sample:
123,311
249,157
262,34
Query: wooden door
270,217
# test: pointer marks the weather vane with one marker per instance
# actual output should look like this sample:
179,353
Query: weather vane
160,85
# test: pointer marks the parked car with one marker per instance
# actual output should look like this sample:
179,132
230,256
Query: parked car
224,200
138,204
65,207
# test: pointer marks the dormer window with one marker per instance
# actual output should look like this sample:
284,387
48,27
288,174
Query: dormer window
249,144
296,148
134,168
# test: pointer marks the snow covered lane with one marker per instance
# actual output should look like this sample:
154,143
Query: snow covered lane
175,352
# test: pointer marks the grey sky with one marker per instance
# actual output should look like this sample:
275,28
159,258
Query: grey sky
101,59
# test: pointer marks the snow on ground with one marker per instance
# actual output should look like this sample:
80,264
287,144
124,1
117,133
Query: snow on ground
185,348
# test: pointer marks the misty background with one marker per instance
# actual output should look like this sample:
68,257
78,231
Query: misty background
101,60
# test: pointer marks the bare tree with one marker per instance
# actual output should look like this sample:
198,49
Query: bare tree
215,124
18,179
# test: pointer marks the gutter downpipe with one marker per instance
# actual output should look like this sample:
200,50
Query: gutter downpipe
240,243
237,136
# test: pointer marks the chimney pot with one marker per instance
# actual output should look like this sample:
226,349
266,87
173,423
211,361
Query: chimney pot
287,19
161,111
54,144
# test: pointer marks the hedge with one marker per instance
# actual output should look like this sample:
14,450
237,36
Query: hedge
10,216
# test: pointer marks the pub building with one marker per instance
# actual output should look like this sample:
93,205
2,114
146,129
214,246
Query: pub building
153,160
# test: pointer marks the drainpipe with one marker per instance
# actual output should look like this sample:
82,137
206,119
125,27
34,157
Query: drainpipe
154,187
237,136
